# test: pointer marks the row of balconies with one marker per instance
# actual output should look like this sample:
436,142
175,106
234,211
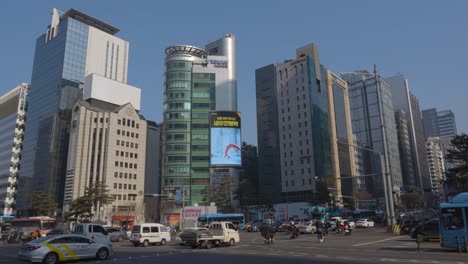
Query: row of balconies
21,117
19,136
18,146
15,165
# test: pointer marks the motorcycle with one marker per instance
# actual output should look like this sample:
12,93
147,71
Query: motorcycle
347,230
294,232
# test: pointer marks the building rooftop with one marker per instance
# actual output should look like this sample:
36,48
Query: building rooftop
91,21
185,49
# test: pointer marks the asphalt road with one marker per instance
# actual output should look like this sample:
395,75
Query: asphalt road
371,245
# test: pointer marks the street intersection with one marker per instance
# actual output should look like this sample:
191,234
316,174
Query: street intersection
371,245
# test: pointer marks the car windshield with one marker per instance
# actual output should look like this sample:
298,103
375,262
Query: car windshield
362,220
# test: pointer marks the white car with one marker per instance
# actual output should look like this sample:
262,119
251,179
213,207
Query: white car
363,222
58,248
307,227
333,221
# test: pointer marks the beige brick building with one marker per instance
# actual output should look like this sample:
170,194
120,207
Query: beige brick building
107,144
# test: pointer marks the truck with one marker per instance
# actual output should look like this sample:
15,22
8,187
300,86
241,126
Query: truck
217,234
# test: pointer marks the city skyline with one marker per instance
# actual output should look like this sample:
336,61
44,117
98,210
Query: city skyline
406,37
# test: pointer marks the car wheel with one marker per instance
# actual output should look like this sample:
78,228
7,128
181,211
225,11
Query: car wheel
163,242
232,242
208,245
145,243
102,254
51,258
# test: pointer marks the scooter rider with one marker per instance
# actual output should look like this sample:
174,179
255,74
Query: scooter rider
346,228
294,231
268,233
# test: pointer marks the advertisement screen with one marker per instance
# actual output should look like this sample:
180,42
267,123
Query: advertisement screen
225,138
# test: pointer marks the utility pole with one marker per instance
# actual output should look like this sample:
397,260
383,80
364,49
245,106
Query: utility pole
387,176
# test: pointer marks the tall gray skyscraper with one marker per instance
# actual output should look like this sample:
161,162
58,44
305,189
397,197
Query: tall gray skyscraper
74,46
304,129
373,121
405,101
439,123
406,156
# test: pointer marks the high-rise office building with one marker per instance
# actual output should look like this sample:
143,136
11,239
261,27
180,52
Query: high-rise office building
439,123
406,156
153,172
373,122
108,145
74,46
13,108
197,82
404,100
304,129
435,158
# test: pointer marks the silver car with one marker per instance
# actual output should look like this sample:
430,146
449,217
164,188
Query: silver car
55,249
116,234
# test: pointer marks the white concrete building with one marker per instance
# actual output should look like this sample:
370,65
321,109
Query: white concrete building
435,159
108,144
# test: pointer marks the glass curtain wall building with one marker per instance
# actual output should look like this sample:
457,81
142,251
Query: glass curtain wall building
197,81
439,123
404,100
13,107
74,46
373,122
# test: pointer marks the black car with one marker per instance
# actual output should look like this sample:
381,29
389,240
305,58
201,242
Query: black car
428,230
407,226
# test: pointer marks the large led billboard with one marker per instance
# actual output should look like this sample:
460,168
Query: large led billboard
225,138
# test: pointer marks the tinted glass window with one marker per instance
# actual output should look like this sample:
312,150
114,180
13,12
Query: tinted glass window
136,229
80,239
99,229
61,240
452,218
154,229
146,229
231,226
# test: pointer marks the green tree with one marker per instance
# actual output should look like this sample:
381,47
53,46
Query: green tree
221,193
42,203
80,208
458,157
245,193
96,196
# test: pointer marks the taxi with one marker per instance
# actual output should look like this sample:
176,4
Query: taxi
55,249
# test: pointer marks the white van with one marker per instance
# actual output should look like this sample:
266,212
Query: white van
145,234
95,232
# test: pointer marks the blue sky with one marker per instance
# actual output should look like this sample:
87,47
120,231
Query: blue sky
425,40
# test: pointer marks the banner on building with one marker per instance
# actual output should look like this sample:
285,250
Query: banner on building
225,138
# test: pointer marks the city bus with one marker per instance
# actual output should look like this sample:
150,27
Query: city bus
26,226
237,219
453,222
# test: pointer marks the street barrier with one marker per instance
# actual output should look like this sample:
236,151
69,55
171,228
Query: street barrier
394,229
